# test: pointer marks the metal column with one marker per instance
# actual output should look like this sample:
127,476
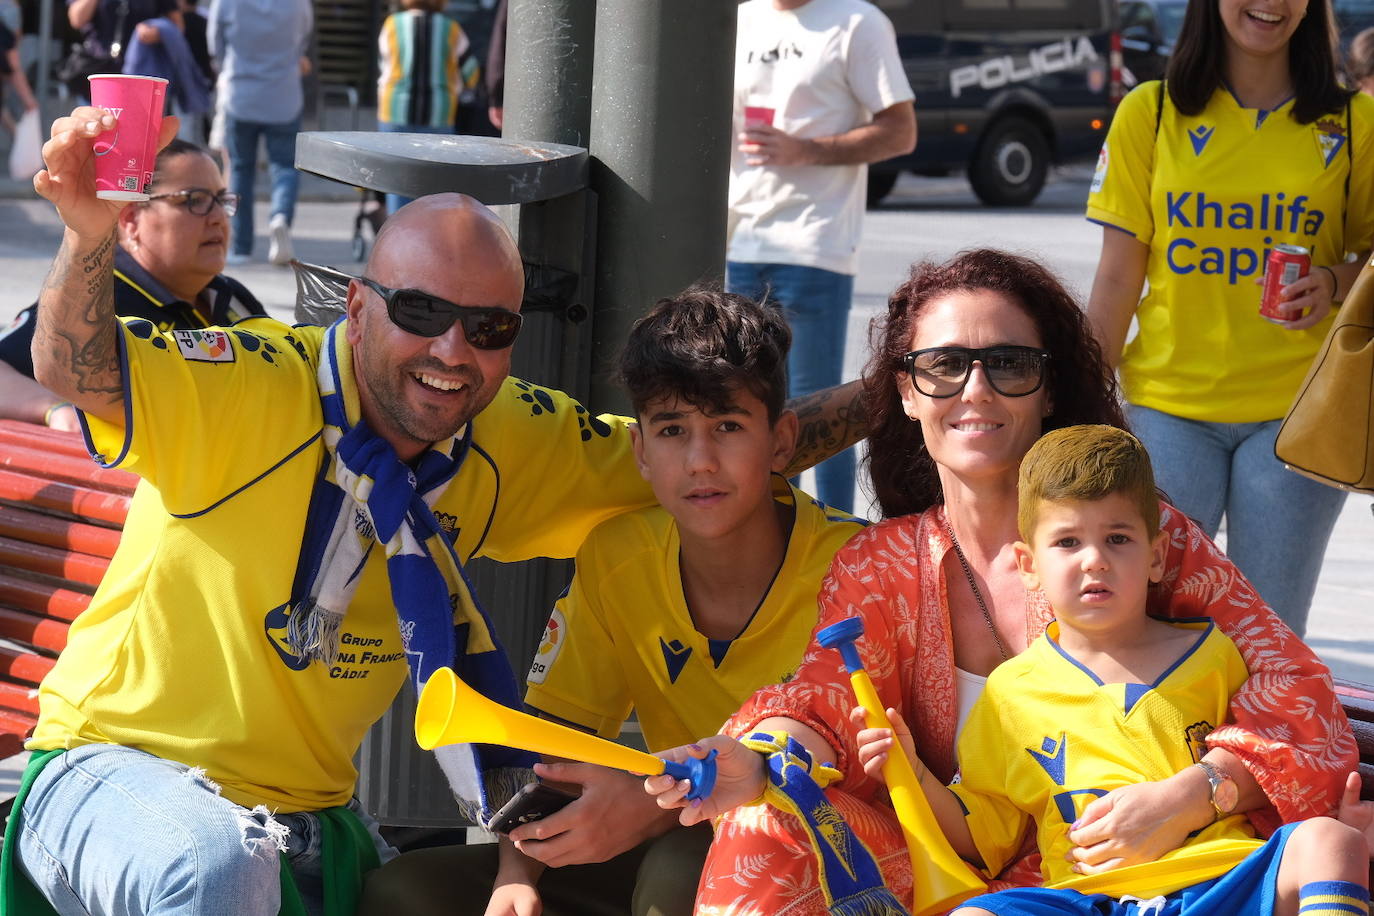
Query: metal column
662,91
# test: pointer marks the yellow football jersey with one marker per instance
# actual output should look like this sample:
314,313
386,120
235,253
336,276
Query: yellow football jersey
622,637
1210,195
1047,737
183,651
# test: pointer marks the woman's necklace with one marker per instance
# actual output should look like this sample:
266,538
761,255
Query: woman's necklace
977,595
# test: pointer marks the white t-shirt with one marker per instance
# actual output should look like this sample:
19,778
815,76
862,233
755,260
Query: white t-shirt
823,68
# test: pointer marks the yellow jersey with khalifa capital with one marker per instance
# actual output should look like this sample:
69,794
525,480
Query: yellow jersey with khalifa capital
1210,195
1047,737
183,652
622,637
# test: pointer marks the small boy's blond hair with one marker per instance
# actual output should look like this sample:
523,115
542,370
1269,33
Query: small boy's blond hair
1085,463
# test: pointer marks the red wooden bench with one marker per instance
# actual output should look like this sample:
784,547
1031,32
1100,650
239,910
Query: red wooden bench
1358,700
60,519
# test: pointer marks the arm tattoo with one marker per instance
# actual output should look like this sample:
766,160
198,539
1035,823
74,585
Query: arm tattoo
76,333
829,421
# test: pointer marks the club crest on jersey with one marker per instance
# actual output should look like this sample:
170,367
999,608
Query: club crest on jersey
1200,135
1195,736
1331,139
675,655
550,644
205,346
1051,756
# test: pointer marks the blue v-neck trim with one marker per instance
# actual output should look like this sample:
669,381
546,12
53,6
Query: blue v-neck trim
1261,114
1134,692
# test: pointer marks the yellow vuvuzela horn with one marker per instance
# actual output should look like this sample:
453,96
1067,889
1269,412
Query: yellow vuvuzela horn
451,712
940,879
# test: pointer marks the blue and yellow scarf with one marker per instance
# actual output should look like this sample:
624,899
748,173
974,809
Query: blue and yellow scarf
365,497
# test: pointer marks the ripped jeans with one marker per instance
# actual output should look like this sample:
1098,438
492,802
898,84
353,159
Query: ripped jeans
112,830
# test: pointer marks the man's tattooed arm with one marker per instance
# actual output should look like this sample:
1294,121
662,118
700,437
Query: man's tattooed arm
75,340
829,421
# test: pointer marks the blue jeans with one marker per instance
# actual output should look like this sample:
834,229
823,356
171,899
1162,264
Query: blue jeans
816,305
109,829
1277,522
241,138
395,202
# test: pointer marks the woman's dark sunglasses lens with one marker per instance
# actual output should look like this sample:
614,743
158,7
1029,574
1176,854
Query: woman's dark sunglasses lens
1013,371
486,329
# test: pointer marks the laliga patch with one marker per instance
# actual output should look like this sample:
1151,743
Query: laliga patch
1099,173
550,644
205,346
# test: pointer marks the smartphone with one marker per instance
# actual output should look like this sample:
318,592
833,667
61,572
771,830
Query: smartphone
534,801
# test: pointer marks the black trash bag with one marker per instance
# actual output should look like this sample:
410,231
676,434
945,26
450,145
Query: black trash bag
320,293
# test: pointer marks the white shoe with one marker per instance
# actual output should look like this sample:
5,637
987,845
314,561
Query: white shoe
279,235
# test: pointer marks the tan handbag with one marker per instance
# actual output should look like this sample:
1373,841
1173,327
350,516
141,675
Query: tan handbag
1328,434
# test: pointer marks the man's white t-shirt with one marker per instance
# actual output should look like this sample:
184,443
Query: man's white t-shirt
823,68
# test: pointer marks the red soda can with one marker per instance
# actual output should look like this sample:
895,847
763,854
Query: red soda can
1285,264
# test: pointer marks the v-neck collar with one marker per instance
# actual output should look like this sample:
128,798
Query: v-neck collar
783,491
1134,692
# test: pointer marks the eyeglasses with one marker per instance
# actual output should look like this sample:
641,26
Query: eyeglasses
942,372
417,312
198,201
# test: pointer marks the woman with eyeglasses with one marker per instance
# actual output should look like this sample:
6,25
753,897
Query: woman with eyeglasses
167,270
1250,142
976,359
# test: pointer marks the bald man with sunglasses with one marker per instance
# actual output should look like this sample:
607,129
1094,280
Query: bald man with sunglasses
302,490
293,554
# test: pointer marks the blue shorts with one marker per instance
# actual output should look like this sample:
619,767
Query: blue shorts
1246,890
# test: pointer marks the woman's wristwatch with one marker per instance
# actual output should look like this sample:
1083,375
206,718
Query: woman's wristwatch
1225,795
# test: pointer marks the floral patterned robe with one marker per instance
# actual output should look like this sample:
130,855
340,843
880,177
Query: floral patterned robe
1286,725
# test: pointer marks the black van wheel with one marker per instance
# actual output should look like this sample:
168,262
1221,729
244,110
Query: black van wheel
1009,168
880,184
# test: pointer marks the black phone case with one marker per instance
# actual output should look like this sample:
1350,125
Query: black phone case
533,802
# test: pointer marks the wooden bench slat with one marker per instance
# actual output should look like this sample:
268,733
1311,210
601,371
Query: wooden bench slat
41,598
32,435
40,632
10,741
24,666
65,469
19,698
58,532
51,561
63,497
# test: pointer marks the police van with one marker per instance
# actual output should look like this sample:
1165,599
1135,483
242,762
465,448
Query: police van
1003,89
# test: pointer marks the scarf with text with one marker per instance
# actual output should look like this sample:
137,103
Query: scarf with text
366,497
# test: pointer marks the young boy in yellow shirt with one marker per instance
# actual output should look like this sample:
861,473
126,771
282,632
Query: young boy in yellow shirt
1106,698
681,611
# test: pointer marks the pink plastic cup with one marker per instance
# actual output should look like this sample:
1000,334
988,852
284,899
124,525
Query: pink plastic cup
124,156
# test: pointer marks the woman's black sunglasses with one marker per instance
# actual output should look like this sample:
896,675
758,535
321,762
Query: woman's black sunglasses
942,372
418,312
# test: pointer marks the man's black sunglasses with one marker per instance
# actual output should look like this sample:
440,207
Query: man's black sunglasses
418,312
942,372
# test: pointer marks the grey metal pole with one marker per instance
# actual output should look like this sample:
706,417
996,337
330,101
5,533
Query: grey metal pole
44,57
549,70
662,90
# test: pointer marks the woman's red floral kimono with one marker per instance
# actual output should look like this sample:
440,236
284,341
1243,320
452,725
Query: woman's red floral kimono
1286,723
